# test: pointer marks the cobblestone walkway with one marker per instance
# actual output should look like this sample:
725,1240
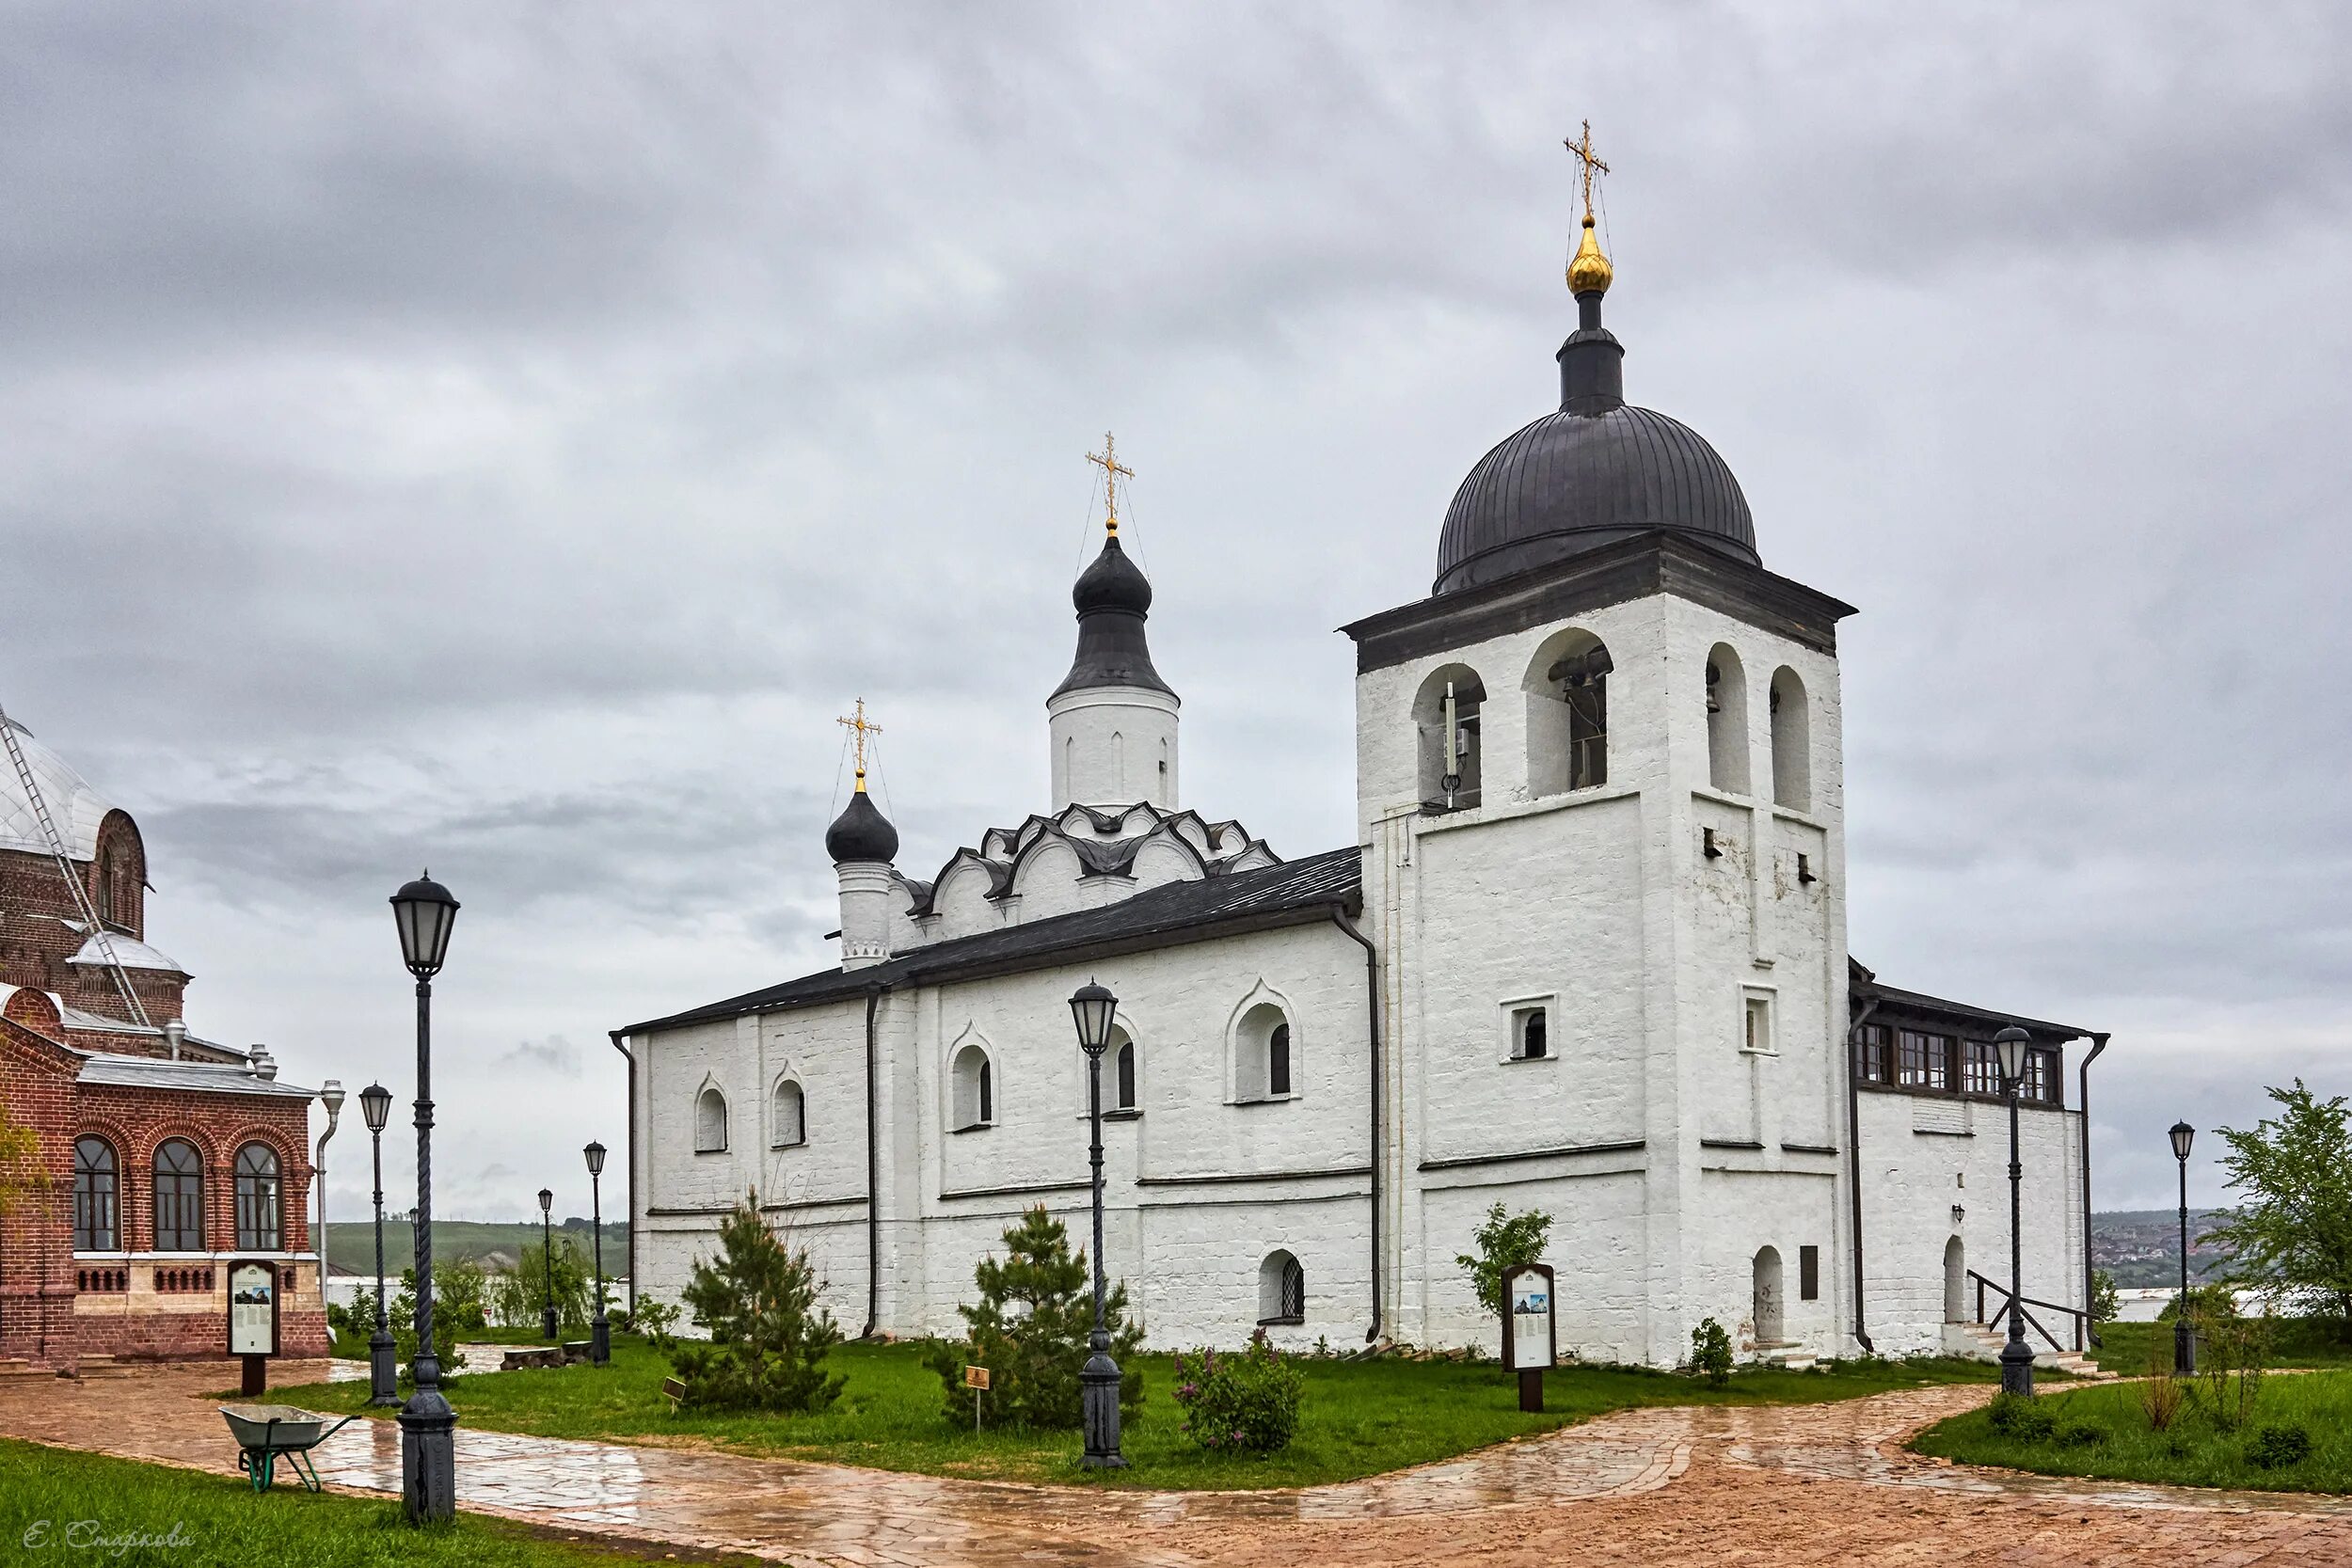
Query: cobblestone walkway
1762,1487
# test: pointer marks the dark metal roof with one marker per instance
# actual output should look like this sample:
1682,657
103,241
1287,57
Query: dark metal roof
1572,482
862,832
1113,600
1863,984
1292,893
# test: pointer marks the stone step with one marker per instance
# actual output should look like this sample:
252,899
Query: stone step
16,1366
99,1366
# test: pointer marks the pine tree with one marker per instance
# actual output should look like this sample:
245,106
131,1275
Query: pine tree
1030,1329
767,1335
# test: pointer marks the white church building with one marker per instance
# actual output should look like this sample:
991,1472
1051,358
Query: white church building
1586,953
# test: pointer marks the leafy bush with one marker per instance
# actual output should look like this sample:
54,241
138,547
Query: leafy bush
1710,1352
1029,1330
2213,1302
1503,1242
519,1298
767,1335
2276,1446
2021,1416
655,1319
2081,1434
1245,1402
2104,1302
2232,1353
447,1325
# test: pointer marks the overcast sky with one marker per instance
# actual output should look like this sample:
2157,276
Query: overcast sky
504,439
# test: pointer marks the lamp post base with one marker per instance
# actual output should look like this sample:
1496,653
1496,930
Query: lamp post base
2184,1347
546,1325
1098,1392
599,1340
2017,1367
383,1370
428,1458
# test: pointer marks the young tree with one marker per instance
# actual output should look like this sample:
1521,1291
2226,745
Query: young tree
768,1334
1503,1242
2292,1235
519,1298
1030,1330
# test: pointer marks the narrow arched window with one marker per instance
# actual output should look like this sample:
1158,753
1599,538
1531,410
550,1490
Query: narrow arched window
711,1121
1535,1040
1277,1060
109,873
1124,1077
1792,754
1726,722
791,1120
260,1227
94,1195
1263,1064
179,1197
1281,1289
972,1089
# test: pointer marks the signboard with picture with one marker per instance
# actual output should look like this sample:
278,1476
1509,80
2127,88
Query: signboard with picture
252,1309
1531,1336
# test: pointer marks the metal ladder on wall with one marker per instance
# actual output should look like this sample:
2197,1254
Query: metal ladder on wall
65,869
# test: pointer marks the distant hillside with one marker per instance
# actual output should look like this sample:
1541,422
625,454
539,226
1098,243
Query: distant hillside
2142,1247
351,1243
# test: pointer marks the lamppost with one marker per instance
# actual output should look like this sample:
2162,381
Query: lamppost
2183,1336
1093,1007
2016,1357
599,1332
330,1096
546,1265
375,1104
425,911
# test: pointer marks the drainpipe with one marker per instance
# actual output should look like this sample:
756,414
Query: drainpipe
873,1178
2082,1103
1853,1159
619,1044
1371,1022
331,1096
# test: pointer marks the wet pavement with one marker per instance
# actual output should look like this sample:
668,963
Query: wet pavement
1762,1486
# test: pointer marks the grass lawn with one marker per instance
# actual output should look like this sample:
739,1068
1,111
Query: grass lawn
1359,1418
2295,1342
2193,1452
79,1506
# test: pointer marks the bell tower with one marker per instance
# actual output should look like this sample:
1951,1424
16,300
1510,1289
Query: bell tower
1112,721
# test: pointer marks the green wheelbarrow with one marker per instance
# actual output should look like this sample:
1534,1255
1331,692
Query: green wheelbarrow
264,1431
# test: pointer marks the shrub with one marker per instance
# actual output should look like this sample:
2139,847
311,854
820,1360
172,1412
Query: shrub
1245,1402
2162,1391
2021,1416
519,1298
1030,1330
2207,1304
655,1319
2081,1434
767,1335
1503,1242
446,1327
1710,1352
2276,1446
2104,1302
2232,1353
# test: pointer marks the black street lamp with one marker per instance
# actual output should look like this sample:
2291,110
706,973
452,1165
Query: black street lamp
1093,1007
546,1264
2016,1357
599,1332
425,911
2183,1336
375,1104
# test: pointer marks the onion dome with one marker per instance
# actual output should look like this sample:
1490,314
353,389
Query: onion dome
1598,471
1113,599
861,833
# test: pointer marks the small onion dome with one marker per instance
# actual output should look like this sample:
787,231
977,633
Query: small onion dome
1589,272
862,832
1113,583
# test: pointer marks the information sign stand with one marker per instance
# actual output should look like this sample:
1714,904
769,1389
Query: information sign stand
1531,1335
253,1320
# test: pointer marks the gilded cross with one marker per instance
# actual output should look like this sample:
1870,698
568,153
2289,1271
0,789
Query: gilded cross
1584,150
859,729
1112,471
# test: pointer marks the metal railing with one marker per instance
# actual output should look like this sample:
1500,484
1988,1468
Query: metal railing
2081,1319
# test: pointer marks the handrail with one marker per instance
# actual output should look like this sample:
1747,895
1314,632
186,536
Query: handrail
2081,1317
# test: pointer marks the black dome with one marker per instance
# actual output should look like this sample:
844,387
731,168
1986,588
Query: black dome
1114,601
861,833
1112,582
1597,472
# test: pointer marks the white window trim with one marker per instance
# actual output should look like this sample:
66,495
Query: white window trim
1260,994
1506,1022
727,1116
970,1038
1770,996
788,1076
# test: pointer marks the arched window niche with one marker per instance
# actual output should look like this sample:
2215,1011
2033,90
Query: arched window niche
971,1089
1446,724
1281,1289
1264,1052
1567,714
1792,743
179,1197
1727,721
96,1210
790,1117
710,1121
260,1219
1123,1084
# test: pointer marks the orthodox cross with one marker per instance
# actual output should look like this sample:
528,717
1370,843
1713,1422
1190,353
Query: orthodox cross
1584,150
1112,470
859,729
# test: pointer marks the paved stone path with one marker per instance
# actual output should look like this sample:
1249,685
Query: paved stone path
1763,1487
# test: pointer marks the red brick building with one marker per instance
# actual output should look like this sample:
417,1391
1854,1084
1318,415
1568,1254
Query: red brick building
160,1156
